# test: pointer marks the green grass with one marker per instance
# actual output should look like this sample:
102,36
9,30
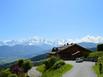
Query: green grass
54,73
96,69
41,68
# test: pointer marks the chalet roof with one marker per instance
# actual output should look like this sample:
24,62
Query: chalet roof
65,46
69,46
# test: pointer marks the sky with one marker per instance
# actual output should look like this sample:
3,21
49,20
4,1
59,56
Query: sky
52,19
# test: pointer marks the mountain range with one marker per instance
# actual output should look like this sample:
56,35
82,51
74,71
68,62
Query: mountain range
89,45
12,50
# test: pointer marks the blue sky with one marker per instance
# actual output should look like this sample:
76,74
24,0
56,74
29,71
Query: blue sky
52,19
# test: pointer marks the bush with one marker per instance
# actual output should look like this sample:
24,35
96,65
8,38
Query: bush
58,72
27,65
100,47
21,67
50,62
12,75
100,64
100,59
58,64
20,62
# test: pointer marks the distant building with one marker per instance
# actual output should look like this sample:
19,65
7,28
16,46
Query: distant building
70,51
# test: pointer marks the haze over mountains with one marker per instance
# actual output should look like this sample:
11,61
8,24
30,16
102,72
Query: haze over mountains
13,49
33,46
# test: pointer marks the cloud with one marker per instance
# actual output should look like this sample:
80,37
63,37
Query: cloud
95,39
88,38
40,40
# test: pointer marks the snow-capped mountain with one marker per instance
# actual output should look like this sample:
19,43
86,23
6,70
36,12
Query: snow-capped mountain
15,49
43,42
40,41
33,41
86,42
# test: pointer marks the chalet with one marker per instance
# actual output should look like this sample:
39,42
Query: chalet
70,51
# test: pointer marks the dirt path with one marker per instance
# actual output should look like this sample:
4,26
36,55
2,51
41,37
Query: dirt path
33,72
83,69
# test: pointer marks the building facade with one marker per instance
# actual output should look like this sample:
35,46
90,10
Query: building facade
70,51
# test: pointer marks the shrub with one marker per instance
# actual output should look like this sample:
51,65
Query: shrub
58,72
100,64
58,64
27,65
50,62
100,60
20,62
100,47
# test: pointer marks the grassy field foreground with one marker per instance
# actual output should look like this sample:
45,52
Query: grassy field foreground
96,69
54,73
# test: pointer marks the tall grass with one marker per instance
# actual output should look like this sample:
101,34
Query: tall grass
96,69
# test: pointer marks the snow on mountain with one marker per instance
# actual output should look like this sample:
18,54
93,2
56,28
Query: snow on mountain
32,41
41,41
36,46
